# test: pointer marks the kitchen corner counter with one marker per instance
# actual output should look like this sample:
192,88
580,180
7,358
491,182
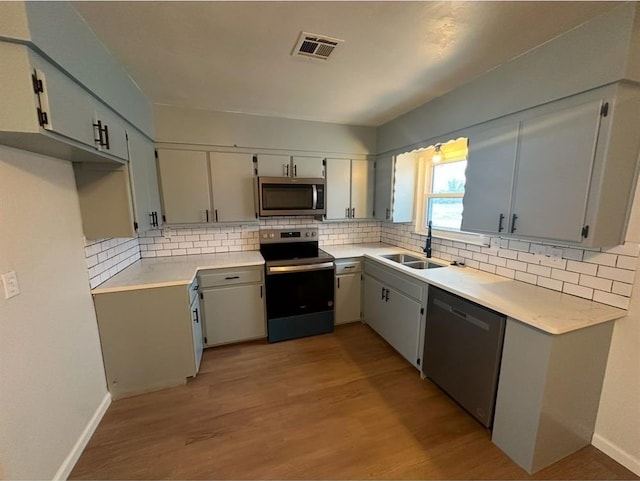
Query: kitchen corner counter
359,250
174,271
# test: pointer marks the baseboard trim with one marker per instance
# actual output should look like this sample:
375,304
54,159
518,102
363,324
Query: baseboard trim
70,461
607,447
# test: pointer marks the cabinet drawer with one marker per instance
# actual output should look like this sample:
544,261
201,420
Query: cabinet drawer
227,277
348,267
396,280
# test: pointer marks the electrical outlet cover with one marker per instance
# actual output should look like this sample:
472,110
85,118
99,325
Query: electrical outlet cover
11,287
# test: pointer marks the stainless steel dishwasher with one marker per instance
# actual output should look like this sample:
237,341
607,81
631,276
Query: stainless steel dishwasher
462,351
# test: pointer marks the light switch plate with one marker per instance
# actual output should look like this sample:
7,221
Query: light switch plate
11,287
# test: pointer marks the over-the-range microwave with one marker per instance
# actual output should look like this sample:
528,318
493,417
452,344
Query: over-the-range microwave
290,196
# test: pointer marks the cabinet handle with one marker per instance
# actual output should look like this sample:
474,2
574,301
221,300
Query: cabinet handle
260,292
338,282
106,137
383,289
513,223
232,277
387,216
216,211
196,319
500,226
295,170
386,296
98,125
349,267
287,166
195,288
207,214
346,212
353,212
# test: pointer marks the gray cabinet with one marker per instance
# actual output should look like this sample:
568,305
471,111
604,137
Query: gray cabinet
394,308
232,187
144,182
196,325
350,185
395,187
281,165
572,165
144,353
232,301
348,291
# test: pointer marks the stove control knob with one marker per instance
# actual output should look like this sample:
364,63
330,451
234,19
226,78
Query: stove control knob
313,234
272,235
307,234
264,236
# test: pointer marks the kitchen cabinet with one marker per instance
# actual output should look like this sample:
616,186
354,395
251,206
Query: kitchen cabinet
395,187
53,115
144,353
572,166
196,326
348,292
350,185
394,308
144,181
202,188
277,165
233,305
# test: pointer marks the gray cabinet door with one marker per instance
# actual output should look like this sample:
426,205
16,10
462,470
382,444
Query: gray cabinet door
196,331
114,132
362,184
272,165
383,186
405,174
307,167
374,304
401,327
144,179
232,187
234,313
338,188
348,297
489,178
184,180
555,162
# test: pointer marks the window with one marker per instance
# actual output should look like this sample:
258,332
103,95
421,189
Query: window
442,183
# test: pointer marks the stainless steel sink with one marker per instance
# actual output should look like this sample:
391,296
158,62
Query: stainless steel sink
401,258
422,265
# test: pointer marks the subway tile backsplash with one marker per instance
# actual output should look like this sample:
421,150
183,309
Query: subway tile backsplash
107,257
603,275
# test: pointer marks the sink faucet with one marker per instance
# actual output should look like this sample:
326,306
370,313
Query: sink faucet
427,247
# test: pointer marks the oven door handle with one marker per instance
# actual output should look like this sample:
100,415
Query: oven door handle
300,268
314,189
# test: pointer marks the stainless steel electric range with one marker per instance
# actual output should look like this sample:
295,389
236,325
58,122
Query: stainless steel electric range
299,284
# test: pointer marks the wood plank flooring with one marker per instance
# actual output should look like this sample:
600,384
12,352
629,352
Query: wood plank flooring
338,406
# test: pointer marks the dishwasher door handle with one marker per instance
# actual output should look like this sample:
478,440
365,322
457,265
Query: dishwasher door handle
463,315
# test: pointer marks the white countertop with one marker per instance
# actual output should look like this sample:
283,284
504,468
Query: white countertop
545,309
174,271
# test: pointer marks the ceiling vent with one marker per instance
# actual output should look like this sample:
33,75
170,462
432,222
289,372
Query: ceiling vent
315,46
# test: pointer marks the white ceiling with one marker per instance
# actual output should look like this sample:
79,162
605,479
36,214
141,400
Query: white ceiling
235,56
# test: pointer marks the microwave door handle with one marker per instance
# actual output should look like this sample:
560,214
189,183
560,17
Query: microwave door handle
314,190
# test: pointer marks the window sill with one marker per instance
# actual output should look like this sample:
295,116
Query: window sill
457,236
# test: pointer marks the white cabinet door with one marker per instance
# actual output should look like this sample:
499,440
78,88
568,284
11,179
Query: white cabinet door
402,325
233,314
232,187
144,180
405,174
338,188
348,297
374,304
68,107
362,184
555,163
271,165
307,167
184,180
196,331
383,187
489,178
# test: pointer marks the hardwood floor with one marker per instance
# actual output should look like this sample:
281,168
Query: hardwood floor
338,406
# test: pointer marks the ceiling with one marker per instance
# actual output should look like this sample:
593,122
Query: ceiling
236,56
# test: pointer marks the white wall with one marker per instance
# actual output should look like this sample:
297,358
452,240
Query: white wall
201,127
51,373
594,54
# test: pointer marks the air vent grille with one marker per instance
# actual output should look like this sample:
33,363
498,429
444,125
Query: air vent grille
311,45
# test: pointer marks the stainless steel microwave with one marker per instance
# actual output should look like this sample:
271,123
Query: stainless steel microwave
290,196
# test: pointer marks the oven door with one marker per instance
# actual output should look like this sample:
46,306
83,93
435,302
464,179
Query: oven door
299,300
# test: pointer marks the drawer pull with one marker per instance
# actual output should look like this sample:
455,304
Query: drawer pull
232,277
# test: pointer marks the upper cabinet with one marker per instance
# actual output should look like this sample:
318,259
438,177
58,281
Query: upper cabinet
350,185
53,115
200,187
564,171
144,181
275,165
395,187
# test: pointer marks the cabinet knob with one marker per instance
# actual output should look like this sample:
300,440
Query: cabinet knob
513,223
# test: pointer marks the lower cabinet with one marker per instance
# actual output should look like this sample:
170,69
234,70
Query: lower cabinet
147,338
232,301
395,314
348,292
